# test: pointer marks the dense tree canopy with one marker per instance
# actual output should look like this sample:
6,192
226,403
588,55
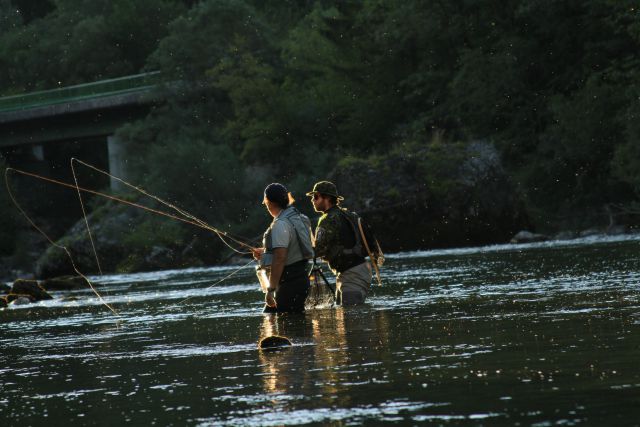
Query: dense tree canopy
263,90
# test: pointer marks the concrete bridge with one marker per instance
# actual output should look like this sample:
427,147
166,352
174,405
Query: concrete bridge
41,131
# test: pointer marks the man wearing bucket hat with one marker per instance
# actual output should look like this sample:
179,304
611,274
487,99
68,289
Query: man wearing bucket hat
335,239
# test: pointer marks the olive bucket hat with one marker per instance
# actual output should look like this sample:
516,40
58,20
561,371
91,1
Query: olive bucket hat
326,188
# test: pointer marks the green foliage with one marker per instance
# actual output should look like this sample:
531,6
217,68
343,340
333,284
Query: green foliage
298,91
435,165
32,9
488,89
8,218
155,231
626,158
253,94
439,168
10,17
206,35
432,169
572,165
544,80
626,164
202,177
82,41
338,90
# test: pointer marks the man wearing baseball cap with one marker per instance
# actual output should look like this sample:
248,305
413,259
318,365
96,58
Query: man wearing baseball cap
285,252
335,239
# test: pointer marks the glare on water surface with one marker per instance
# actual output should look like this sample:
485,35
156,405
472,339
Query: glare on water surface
540,334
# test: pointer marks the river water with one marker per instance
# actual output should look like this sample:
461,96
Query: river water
534,335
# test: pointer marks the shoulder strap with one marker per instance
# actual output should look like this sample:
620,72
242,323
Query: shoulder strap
298,237
354,228
374,261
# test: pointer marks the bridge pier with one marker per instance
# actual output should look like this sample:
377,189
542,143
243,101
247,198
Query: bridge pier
117,162
38,152
44,129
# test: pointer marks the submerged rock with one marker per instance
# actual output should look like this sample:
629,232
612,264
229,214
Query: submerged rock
21,300
529,237
616,230
5,288
565,235
590,232
159,257
12,297
274,342
30,288
64,283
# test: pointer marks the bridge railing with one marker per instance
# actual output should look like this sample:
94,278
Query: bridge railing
102,88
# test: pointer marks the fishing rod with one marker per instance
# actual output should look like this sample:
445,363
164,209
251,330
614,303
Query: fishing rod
63,248
189,218
196,222
228,276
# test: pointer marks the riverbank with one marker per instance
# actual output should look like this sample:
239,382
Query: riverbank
415,197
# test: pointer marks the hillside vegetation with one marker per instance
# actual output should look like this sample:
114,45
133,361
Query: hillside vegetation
498,115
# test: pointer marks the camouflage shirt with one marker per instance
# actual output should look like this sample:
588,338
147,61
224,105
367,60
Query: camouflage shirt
334,234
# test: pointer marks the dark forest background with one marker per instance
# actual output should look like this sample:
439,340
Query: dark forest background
300,90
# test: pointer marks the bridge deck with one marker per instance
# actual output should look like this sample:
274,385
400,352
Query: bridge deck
78,93
81,111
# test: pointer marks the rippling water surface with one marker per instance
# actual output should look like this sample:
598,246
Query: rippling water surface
542,334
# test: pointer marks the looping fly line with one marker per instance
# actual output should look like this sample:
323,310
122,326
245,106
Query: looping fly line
188,218
184,217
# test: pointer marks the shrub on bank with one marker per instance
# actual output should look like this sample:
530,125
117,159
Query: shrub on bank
433,194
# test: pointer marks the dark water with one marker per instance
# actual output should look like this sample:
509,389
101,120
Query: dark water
535,335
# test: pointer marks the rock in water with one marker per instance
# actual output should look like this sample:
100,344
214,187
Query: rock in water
64,283
30,288
20,301
529,237
274,342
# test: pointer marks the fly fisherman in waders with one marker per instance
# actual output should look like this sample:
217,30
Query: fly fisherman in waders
287,249
335,240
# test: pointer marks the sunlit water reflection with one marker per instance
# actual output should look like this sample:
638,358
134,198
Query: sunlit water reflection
541,334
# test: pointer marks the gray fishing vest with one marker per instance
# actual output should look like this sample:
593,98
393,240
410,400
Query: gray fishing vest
302,227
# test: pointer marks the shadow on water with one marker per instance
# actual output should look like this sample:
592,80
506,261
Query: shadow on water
538,335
